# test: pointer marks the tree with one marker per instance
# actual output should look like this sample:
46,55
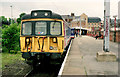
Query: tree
18,20
0,32
3,18
20,16
10,38
12,20
3,21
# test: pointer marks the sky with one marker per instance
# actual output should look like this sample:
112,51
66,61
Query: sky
119,10
92,8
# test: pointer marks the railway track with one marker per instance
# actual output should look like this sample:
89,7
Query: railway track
48,70
26,75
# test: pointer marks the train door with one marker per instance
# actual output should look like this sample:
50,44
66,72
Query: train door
84,32
72,33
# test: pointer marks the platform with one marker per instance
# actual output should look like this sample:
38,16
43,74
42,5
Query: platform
81,59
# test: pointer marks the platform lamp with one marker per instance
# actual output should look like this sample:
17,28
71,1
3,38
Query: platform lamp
115,28
11,14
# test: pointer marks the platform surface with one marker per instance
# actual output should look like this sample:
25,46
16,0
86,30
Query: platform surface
81,59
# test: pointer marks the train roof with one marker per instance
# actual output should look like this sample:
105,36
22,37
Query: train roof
42,14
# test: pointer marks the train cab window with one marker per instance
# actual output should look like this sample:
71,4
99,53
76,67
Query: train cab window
40,28
55,28
27,28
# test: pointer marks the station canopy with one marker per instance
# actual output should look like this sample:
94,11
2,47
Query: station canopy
81,28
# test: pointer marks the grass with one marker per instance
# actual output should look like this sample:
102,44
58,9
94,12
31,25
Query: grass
8,58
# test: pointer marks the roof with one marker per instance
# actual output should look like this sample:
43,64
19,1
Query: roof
90,19
41,15
76,19
94,19
67,17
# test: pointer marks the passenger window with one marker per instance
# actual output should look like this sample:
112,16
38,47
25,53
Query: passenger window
40,28
55,28
27,28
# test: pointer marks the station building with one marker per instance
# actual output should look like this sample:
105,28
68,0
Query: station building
94,25
87,23
115,33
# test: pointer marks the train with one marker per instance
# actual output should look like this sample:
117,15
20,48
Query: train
44,37
72,33
77,29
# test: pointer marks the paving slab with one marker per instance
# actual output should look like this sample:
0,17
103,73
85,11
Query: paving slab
82,58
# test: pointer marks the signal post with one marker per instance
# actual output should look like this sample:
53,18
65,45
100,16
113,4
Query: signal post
106,54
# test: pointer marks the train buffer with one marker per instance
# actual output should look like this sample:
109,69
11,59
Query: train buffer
81,59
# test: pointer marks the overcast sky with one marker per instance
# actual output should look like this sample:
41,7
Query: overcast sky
93,8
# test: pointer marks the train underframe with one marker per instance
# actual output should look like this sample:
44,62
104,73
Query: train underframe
43,58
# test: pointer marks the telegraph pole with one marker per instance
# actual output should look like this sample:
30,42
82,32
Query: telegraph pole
11,14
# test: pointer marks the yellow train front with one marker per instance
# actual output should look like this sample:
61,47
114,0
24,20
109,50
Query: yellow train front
44,37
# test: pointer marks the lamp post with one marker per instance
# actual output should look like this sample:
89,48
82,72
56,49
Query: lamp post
115,28
106,24
11,14
106,55
80,26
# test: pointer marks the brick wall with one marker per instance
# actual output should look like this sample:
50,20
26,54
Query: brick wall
111,36
117,36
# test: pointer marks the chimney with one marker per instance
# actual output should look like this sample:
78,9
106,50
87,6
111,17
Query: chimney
72,14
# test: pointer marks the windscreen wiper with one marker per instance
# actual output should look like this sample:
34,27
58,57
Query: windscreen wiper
54,24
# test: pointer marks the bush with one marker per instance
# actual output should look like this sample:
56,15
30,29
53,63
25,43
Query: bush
4,49
0,32
0,43
11,37
13,51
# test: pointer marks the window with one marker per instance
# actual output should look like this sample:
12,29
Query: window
40,28
27,28
55,28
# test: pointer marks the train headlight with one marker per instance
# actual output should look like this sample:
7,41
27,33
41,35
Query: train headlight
27,40
35,14
54,40
51,48
46,14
